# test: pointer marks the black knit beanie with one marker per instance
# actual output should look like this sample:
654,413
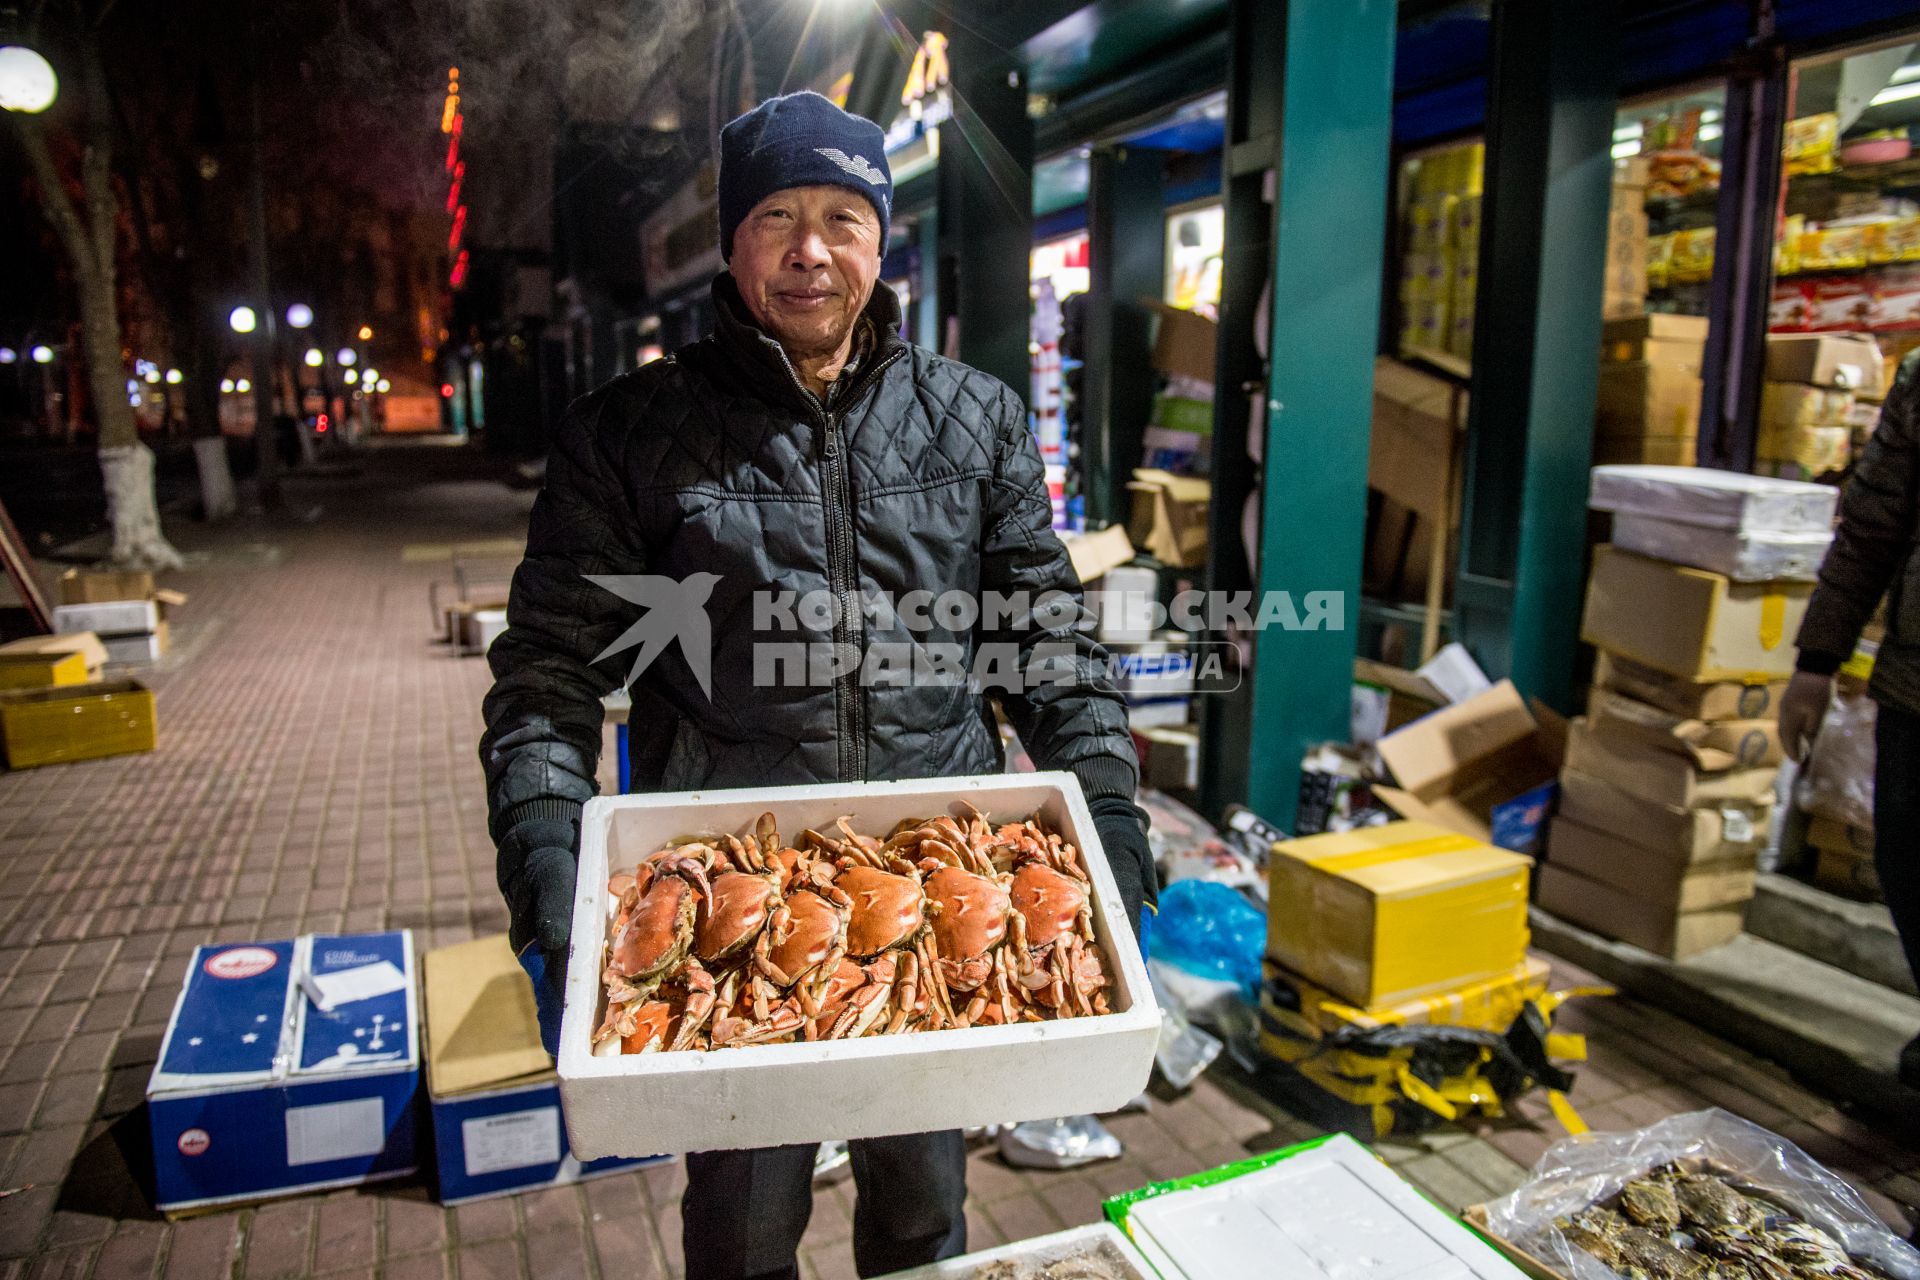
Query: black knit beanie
800,140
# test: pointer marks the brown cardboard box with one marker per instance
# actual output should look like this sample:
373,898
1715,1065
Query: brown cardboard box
1662,777
1170,516
96,586
1185,343
481,1025
77,722
1641,398
1415,419
1843,837
1456,767
1817,451
1095,553
1694,699
1690,622
1850,361
1648,925
1677,341
1651,877
1409,696
1712,745
1848,874
1788,406
1730,831
1644,450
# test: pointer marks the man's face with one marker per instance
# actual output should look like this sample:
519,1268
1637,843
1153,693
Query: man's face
806,259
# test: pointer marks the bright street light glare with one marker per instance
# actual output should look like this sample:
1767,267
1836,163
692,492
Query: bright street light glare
352,376
226,386
366,333
371,375
347,357
151,375
8,355
43,354
174,377
27,81
314,357
299,315
243,386
242,319
384,386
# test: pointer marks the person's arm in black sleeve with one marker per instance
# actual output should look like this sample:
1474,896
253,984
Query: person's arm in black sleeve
1876,531
1078,721
544,717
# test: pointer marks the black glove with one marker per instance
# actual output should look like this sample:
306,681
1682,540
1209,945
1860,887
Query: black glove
536,870
1122,827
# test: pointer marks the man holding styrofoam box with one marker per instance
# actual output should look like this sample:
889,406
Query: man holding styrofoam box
801,449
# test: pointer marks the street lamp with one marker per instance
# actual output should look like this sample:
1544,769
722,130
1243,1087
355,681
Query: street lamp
43,354
314,357
243,386
347,357
226,386
27,82
8,355
366,333
242,319
384,386
352,376
174,377
299,315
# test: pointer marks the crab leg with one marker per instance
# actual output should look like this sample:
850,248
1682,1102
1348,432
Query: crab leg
700,1003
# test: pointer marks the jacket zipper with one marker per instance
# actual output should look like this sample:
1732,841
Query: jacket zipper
843,576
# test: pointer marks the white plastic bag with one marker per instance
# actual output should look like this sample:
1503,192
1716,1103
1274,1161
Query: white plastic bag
1581,1171
1838,782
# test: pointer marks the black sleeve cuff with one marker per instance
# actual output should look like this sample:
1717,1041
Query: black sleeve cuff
544,809
1105,777
1818,663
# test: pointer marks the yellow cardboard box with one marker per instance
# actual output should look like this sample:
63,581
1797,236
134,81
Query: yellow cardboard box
1386,914
1690,622
76,722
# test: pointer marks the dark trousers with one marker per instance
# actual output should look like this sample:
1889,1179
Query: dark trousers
744,1211
1896,822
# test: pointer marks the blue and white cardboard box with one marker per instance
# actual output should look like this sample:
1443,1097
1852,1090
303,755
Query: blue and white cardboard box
287,1066
497,1125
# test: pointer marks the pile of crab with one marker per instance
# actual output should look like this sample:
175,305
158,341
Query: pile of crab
946,922
1676,1224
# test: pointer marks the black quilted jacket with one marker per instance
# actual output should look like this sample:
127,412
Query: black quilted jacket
918,474
1874,552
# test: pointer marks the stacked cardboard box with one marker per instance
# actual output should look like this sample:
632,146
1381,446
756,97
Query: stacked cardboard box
125,610
1625,294
1808,404
1649,395
1440,274
44,662
1669,777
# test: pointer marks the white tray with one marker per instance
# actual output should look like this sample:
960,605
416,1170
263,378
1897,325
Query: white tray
769,1095
1038,1252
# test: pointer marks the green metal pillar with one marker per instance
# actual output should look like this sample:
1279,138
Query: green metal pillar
1536,342
1126,235
985,210
1311,261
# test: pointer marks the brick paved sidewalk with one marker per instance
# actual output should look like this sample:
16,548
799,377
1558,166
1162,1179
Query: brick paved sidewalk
317,772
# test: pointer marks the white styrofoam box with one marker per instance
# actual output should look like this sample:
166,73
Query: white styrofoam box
1716,499
917,1082
1159,713
107,618
1332,1211
487,626
1744,557
136,648
1024,1257
1123,605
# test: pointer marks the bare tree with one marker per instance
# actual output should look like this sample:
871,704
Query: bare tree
89,232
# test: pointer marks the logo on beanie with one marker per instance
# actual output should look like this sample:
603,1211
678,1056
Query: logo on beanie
858,166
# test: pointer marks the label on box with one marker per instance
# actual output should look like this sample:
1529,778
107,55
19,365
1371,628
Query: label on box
1736,825
513,1140
333,1131
363,982
229,1019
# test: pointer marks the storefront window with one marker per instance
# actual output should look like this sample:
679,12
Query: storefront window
1846,258
1666,195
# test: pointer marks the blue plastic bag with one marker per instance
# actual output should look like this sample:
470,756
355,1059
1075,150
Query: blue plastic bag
1211,930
